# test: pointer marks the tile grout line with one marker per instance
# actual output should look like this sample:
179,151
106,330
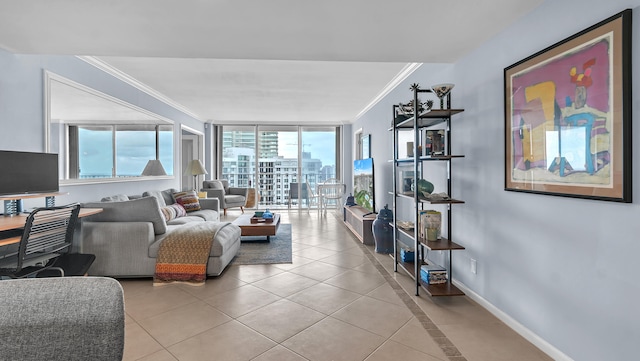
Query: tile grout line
449,349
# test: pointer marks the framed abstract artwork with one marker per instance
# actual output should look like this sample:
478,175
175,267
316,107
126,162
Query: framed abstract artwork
568,116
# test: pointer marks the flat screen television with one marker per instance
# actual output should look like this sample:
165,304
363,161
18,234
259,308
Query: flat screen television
363,190
26,172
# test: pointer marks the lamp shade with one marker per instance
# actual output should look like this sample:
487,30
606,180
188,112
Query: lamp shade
154,168
195,167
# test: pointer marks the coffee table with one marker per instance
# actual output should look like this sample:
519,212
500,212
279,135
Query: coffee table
257,229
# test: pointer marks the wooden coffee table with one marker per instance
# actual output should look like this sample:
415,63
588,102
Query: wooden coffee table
257,229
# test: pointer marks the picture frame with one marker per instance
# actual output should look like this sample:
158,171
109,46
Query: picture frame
568,116
365,146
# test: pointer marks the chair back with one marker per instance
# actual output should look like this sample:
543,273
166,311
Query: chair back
295,191
333,189
310,190
48,233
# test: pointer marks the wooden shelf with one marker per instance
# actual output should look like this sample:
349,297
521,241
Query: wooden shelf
426,119
442,244
439,290
401,161
434,201
13,197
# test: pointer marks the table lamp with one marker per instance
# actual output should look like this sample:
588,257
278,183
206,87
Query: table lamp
154,168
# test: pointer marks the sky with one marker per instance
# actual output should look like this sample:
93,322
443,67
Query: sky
134,150
321,145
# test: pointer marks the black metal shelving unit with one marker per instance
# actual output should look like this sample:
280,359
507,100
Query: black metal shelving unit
429,119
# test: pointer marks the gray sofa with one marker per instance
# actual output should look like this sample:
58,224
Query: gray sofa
126,235
68,318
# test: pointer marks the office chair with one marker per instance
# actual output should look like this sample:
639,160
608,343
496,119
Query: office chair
44,245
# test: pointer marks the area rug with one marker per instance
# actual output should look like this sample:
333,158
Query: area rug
256,250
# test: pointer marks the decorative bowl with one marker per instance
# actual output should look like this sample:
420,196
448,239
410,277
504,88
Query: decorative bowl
258,214
441,90
407,109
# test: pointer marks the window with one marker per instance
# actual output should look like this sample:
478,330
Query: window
116,151
276,156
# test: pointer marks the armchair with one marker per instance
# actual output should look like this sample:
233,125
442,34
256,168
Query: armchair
228,197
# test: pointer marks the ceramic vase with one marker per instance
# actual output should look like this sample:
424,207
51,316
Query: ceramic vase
382,231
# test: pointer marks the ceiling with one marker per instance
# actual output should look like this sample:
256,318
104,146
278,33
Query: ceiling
277,61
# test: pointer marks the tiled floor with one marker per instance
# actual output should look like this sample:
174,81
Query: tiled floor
331,303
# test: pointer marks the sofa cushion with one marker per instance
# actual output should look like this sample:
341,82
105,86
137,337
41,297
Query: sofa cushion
167,194
206,214
214,185
115,198
168,213
189,200
158,196
185,220
144,209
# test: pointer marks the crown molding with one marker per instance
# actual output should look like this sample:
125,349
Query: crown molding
118,74
399,78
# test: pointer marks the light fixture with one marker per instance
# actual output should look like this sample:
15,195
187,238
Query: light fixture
195,168
153,168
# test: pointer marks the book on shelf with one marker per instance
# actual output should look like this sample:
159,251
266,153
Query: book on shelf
435,142
407,254
433,274
422,224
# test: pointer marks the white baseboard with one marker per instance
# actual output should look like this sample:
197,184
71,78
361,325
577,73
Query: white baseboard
530,336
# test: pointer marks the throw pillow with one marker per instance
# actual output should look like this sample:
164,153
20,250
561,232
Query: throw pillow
169,213
189,200
180,211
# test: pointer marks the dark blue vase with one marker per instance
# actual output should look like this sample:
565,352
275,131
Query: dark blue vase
382,231
351,201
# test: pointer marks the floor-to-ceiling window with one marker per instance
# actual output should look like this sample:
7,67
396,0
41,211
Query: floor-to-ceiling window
273,159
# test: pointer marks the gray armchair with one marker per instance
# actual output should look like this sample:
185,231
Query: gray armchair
70,318
228,197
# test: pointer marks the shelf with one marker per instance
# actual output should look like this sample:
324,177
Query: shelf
12,197
427,158
439,290
432,135
442,244
433,201
426,119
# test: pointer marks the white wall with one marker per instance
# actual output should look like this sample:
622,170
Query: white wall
565,269
22,115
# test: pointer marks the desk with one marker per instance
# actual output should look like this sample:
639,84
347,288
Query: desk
13,203
18,221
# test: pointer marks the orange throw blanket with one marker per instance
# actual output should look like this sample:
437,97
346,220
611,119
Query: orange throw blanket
183,254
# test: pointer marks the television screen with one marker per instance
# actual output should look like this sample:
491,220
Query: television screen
26,172
363,191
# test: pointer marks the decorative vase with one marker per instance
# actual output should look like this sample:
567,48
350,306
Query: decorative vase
351,201
581,97
382,231
267,214
434,225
